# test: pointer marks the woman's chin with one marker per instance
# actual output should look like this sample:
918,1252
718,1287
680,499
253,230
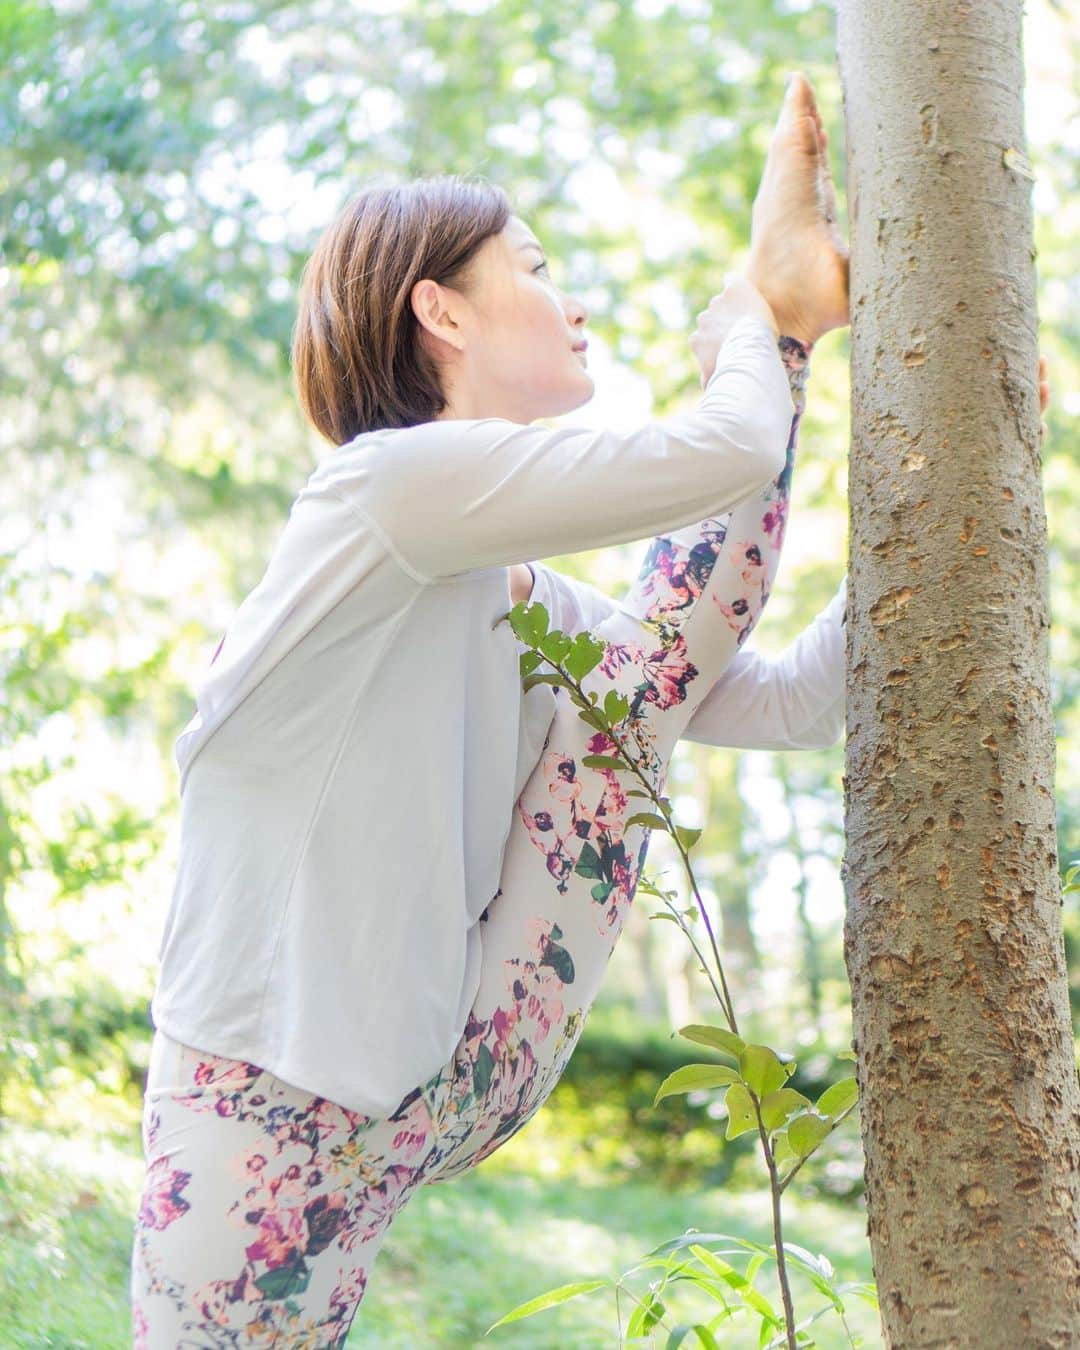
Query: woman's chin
587,389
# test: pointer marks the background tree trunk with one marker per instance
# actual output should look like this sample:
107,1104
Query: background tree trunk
732,879
811,949
953,939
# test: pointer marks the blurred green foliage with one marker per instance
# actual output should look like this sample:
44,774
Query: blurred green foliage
164,172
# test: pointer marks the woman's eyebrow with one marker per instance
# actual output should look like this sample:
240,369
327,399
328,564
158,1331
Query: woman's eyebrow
530,244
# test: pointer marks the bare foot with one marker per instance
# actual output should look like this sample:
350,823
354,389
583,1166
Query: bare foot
798,255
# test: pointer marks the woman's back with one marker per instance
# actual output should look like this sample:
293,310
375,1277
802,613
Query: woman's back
336,828
348,780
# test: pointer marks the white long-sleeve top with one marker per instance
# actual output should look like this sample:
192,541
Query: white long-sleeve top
793,701
347,780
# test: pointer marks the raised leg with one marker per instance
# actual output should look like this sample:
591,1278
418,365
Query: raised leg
571,864
298,1193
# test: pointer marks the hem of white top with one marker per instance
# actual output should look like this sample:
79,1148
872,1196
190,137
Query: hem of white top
241,1050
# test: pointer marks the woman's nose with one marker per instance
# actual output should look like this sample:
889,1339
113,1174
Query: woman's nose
577,313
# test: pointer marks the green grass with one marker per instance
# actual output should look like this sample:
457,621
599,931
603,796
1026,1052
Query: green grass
459,1256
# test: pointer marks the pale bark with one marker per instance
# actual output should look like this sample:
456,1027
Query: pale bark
811,948
970,1111
732,879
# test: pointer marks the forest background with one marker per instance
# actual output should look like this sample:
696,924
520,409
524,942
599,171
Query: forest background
164,172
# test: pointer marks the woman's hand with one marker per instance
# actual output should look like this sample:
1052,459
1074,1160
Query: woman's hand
798,256
738,298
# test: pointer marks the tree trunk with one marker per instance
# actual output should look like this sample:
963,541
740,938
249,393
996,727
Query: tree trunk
970,1109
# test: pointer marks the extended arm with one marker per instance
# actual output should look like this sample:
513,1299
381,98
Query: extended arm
794,701
451,496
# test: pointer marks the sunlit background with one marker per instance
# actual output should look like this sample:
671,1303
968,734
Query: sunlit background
166,170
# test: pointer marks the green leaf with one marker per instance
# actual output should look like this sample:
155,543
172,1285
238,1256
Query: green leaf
824,1287
528,661
547,677
686,836
585,653
616,705
782,1150
740,1111
837,1098
847,1054
692,1235
637,792
679,1333
718,1037
817,1265
805,1133
777,1106
602,762
690,1077
649,889
554,646
648,819
761,1070
593,718
645,1316
754,1297
563,1294
529,622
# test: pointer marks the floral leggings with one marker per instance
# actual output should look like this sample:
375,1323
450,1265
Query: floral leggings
264,1207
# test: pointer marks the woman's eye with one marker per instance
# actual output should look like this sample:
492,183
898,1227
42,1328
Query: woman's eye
540,268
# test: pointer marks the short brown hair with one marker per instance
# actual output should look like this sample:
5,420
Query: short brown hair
357,362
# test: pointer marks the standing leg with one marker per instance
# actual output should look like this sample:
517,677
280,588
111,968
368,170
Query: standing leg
263,1207
571,865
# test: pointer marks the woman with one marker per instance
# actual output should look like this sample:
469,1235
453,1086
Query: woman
398,885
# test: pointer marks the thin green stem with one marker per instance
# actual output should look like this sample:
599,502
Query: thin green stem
598,718
690,938
608,729
778,1236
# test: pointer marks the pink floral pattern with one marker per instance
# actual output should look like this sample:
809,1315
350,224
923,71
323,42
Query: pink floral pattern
301,1191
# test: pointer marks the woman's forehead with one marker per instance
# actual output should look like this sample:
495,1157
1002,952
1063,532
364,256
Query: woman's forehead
520,235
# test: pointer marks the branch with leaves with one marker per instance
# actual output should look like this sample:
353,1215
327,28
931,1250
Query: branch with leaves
790,1127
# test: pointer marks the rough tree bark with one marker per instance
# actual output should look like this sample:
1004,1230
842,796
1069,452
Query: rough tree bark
970,1110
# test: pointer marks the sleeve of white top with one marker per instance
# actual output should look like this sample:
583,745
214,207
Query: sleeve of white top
794,701
454,495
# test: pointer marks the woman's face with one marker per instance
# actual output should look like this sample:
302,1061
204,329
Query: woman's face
507,349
